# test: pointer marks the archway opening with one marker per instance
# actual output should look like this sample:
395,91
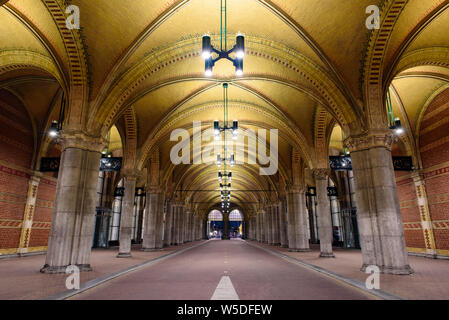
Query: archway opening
215,226
235,224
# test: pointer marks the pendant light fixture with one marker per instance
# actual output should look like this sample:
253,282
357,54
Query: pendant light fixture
209,51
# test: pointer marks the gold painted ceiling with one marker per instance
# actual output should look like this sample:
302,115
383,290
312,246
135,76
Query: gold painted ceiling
303,73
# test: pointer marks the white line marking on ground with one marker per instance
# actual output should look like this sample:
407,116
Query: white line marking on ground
225,290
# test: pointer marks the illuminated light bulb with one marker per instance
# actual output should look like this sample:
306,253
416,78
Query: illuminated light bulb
240,54
206,55
208,73
239,72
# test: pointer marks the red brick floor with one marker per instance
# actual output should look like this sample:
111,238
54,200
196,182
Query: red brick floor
195,274
430,280
20,277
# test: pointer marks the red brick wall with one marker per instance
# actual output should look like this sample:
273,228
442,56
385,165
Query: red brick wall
43,212
434,148
410,212
16,148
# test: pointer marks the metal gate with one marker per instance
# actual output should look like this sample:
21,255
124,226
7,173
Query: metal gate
101,233
350,228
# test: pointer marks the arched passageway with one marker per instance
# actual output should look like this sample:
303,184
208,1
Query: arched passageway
143,138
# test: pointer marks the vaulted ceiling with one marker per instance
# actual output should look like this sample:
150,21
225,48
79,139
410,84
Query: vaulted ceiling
302,72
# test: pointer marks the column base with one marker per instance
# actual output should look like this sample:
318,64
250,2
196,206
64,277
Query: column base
124,255
326,255
62,269
406,270
151,249
284,246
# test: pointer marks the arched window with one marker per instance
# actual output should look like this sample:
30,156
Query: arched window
235,215
215,215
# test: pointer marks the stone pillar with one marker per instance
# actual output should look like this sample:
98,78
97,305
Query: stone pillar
126,217
378,212
203,230
72,224
160,222
168,225
190,226
297,220
25,236
260,226
265,226
282,225
269,222
152,238
179,225
225,226
324,214
426,221
275,222
140,212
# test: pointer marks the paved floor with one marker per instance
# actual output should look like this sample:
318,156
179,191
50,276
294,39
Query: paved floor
20,277
430,281
253,274
224,269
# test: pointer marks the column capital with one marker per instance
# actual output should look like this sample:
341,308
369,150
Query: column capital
81,140
35,177
371,139
296,189
417,175
321,173
130,174
154,189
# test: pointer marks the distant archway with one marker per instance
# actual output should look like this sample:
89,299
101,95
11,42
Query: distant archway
235,227
215,224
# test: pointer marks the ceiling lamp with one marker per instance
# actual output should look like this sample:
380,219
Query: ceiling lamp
393,123
56,125
238,49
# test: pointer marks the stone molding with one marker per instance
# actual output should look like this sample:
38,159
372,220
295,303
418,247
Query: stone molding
369,140
80,140
296,189
321,173
154,189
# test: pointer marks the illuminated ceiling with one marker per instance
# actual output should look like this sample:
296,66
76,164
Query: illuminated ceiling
303,63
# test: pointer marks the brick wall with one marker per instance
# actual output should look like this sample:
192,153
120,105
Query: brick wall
434,148
16,149
43,212
413,232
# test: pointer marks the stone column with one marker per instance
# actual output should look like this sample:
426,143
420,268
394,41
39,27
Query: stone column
203,230
140,212
194,228
275,213
426,220
25,236
297,220
282,225
225,226
153,220
265,226
179,225
189,226
378,212
324,214
260,226
72,225
168,225
126,217
160,222
269,222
